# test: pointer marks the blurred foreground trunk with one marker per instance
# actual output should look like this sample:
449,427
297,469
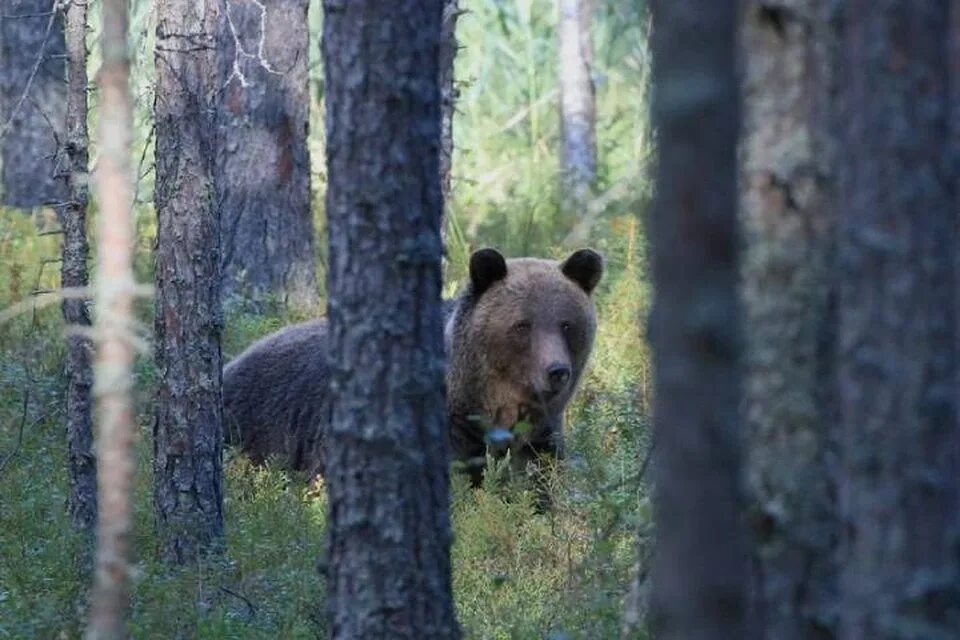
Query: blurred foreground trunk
896,354
387,467
114,323
699,569
787,213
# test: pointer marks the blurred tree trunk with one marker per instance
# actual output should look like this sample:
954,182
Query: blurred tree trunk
387,465
448,101
896,359
699,567
82,500
188,495
263,165
32,102
114,320
786,200
578,168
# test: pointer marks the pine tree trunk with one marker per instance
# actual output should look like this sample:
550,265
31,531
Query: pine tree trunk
387,466
578,169
113,372
32,103
188,492
896,343
699,566
786,200
263,165
82,499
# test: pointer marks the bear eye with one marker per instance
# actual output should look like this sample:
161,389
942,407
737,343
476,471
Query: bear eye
566,327
522,327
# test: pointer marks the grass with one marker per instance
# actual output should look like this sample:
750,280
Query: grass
517,574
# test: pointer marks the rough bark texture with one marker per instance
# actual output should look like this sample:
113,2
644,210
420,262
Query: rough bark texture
699,568
263,165
82,472
578,157
113,373
188,431
448,100
896,340
388,464
786,204
32,102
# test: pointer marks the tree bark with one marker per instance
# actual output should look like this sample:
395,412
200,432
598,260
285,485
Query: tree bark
32,102
188,431
114,360
82,499
787,200
387,465
263,164
699,566
896,357
578,168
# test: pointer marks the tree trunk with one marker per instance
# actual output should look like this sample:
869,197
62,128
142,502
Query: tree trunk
699,566
188,495
896,354
82,500
786,200
388,465
263,165
114,317
578,168
448,101
32,102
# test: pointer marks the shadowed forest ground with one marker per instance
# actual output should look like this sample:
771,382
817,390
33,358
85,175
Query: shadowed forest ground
516,574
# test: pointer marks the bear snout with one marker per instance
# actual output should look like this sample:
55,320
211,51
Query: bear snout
558,376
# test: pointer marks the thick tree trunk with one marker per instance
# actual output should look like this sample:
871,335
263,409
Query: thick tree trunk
699,567
896,341
82,499
786,201
113,373
578,157
263,165
387,465
32,103
188,493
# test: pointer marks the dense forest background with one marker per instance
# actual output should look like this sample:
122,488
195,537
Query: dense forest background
515,574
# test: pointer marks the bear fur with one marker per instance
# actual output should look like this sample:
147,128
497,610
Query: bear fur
517,341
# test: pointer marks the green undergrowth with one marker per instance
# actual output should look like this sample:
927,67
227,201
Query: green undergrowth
517,573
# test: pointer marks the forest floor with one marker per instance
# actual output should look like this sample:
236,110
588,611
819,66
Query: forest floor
517,574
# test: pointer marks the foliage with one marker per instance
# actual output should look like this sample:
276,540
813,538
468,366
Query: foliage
517,574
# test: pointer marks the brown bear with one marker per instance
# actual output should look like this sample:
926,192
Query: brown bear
517,340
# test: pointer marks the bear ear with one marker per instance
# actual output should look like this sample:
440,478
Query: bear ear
486,267
585,267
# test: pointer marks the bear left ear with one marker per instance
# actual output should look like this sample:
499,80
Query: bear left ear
486,267
585,267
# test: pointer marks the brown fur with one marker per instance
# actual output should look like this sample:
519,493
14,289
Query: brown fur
515,322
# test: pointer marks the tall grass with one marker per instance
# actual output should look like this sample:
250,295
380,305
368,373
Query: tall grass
516,574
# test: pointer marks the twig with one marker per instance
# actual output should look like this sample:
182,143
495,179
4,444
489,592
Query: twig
23,422
239,596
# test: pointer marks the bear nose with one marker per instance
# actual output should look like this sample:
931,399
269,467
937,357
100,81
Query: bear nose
558,375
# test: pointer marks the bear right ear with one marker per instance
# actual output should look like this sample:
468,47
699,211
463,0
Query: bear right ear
585,267
486,267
